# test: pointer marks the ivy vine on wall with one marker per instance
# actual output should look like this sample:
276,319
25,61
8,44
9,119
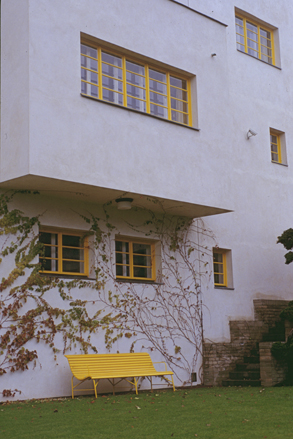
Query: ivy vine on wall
165,316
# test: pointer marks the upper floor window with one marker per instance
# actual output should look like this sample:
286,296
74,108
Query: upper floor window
255,39
135,260
278,147
134,84
63,253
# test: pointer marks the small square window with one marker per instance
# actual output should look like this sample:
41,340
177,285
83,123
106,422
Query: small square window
135,259
63,253
222,264
278,147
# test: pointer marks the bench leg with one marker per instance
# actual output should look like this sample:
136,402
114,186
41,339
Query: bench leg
151,384
72,390
173,383
135,384
95,387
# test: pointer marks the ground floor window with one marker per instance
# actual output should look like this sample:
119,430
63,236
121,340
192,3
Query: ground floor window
135,259
63,253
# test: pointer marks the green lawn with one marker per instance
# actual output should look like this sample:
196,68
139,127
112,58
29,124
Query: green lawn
207,413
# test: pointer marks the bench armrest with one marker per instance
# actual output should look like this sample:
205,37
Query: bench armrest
161,362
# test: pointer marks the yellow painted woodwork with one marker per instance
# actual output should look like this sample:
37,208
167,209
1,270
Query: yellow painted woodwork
127,367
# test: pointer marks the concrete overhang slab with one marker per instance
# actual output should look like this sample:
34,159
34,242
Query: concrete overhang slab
100,195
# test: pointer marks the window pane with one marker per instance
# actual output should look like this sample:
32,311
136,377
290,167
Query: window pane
218,257
111,59
135,104
265,34
177,82
73,267
240,39
239,21
179,105
266,42
142,272
122,270
179,94
86,50
135,79
142,260
253,53
158,86
251,27
122,246
240,30
112,84
218,268
49,264
141,249
111,96
122,258
135,68
48,238
50,252
154,74
275,157
252,36
114,72
72,241
239,47
158,99
73,253
135,92
274,147
179,117
159,111
219,279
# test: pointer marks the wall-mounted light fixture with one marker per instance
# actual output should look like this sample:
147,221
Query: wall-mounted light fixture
251,133
124,203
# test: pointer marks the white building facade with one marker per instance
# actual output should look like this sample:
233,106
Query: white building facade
183,107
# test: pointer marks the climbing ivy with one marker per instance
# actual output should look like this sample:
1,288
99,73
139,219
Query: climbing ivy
165,316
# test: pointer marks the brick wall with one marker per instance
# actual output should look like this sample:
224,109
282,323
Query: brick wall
221,358
271,371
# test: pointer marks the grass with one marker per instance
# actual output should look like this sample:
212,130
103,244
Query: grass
205,413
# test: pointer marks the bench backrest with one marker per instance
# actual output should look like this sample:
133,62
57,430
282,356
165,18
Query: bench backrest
88,365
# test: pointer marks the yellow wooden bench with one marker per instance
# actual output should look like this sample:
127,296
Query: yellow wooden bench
127,367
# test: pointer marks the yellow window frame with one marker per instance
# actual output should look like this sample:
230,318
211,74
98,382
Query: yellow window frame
260,45
222,263
123,81
275,145
131,265
59,257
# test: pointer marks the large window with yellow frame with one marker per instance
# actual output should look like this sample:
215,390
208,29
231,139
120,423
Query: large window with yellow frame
254,39
131,83
63,253
135,260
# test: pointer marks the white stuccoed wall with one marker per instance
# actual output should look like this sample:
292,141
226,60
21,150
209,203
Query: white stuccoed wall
48,129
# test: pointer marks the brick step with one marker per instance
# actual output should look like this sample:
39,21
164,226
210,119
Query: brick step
241,383
274,337
245,375
275,333
247,366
